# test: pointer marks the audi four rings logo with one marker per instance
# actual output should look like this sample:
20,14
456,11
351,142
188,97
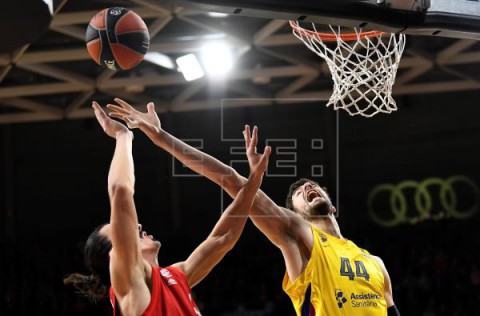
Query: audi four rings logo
425,193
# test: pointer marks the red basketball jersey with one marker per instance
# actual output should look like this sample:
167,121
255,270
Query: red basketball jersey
171,295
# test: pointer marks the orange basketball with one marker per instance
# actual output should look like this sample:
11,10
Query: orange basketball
117,38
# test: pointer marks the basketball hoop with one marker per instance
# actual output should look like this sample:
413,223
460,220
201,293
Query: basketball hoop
363,66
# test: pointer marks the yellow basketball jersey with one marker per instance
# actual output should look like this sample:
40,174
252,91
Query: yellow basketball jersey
340,279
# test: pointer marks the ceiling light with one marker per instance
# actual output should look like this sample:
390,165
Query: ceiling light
49,3
160,60
189,66
217,59
217,14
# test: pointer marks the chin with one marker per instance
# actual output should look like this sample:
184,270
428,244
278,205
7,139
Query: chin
321,208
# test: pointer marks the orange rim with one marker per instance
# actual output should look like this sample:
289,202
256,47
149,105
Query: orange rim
329,37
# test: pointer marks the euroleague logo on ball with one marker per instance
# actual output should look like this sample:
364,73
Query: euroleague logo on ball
116,11
110,64
117,38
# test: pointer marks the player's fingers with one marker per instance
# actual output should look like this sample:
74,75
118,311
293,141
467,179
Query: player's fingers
124,104
267,151
246,136
100,116
131,123
116,115
151,108
266,155
117,108
249,135
253,144
99,113
255,136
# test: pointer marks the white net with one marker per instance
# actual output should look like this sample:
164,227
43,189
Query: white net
363,67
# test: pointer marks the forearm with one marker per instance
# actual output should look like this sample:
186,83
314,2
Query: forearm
230,225
123,216
221,240
121,174
201,163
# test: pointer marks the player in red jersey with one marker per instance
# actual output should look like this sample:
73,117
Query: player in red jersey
123,258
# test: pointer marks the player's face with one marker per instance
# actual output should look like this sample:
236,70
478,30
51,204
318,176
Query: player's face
310,200
147,242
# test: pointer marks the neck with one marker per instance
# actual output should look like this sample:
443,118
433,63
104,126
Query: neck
327,224
151,258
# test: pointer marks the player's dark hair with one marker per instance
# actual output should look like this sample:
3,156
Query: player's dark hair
96,253
293,187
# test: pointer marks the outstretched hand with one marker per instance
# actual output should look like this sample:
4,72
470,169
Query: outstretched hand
111,127
148,122
258,162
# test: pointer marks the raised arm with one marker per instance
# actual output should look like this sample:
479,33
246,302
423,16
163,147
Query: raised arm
199,162
281,226
388,293
127,267
228,229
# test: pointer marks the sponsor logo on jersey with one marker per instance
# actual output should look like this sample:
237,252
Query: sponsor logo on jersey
341,299
165,273
323,238
365,299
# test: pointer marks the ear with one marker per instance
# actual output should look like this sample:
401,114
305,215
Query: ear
334,210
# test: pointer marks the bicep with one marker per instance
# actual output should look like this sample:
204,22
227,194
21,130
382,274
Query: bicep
272,220
388,292
278,224
126,261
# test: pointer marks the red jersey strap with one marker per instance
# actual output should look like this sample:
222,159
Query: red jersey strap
170,295
113,300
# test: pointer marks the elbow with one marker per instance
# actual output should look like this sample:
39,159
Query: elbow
120,190
233,182
230,239
226,242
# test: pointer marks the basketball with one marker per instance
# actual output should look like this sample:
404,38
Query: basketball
117,38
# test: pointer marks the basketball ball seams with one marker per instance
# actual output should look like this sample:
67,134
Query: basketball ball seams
129,48
137,41
107,57
123,65
97,28
119,20
95,55
111,21
91,34
138,25
128,32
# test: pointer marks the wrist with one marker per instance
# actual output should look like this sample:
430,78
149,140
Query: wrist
124,133
159,137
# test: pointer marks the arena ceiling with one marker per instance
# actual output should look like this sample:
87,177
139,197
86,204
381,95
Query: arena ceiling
55,79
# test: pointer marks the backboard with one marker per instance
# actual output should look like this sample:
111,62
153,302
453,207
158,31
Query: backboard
447,18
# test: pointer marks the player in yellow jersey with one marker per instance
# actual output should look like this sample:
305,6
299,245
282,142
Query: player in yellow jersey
327,275
338,278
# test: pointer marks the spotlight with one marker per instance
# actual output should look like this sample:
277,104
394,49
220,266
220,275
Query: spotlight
217,59
189,66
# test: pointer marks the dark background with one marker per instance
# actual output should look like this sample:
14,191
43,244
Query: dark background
53,192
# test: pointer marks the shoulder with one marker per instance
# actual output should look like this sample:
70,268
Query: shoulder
379,261
178,267
175,271
300,228
381,264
